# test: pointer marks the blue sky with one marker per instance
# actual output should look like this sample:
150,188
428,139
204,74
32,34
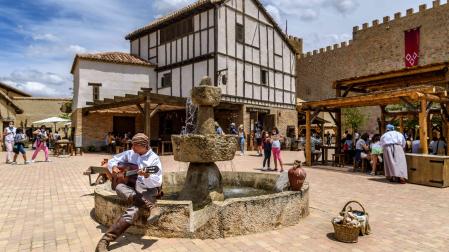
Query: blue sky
39,38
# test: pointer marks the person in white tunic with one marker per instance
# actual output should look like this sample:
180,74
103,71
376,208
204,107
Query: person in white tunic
141,194
393,144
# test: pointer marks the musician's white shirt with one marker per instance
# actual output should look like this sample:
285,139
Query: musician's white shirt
148,159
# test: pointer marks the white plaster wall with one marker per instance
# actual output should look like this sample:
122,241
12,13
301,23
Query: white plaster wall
116,80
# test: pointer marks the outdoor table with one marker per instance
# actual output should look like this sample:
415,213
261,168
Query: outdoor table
324,152
64,146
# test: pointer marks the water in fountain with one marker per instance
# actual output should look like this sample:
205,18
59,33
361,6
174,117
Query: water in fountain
281,182
191,113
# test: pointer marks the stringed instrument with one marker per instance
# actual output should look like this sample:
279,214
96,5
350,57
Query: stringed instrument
128,174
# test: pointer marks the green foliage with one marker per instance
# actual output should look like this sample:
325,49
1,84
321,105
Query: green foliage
353,118
65,116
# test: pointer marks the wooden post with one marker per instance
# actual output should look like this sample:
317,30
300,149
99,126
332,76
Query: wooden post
338,122
423,127
382,120
147,116
401,124
308,140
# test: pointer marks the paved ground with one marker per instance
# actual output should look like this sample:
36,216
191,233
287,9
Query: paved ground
47,207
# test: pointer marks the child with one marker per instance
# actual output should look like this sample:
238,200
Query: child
267,151
19,146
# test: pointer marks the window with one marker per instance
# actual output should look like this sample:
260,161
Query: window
240,33
177,30
166,80
264,77
95,91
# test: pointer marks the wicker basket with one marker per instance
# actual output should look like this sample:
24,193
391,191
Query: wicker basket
347,233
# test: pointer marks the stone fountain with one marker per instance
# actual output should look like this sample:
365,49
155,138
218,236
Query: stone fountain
202,149
198,203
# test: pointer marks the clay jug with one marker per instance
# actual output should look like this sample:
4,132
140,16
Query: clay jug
296,176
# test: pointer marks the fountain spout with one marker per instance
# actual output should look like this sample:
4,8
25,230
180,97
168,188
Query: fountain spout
203,148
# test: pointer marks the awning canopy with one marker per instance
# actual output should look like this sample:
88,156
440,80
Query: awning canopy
52,120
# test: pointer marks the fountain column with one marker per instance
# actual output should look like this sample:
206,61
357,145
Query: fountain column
203,148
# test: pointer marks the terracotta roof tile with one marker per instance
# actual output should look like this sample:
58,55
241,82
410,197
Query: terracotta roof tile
198,5
173,15
113,57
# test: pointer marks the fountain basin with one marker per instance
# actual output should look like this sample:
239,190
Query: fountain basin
231,217
204,148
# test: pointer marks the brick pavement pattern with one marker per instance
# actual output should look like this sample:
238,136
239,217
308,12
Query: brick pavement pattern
48,207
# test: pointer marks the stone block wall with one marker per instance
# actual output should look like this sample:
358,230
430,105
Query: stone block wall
92,128
376,47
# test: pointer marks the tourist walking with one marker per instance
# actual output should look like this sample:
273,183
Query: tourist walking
258,136
241,135
439,146
276,148
41,143
232,129
8,137
141,194
266,151
19,146
218,129
393,144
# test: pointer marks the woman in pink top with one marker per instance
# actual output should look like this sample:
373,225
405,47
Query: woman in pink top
41,143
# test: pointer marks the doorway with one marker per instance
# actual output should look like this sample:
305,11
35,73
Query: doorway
123,125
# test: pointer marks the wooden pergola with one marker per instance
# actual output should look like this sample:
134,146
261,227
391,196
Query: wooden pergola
147,103
423,85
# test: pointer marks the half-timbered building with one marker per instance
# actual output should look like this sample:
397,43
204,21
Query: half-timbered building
234,42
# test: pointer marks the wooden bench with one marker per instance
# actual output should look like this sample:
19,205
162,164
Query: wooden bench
102,174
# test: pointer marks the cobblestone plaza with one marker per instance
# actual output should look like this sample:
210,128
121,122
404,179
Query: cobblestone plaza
48,207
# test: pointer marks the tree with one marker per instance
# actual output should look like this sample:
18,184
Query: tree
353,118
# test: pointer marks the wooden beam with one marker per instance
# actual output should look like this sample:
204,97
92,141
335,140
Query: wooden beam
423,127
155,110
147,116
370,99
140,109
308,140
393,74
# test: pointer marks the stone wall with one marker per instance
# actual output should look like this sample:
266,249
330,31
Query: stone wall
376,47
94,126
36,109
283,117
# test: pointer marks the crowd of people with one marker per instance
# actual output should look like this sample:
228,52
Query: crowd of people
267,143
117,140
388,149
17,139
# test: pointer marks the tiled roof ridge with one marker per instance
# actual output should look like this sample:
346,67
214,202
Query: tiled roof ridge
112,57
172,15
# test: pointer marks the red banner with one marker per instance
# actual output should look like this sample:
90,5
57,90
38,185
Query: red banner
411,47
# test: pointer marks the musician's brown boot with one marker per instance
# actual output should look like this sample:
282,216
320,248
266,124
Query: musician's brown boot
112,234
155,214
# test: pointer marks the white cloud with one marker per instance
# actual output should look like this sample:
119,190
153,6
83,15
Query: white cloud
45,37
39,83
316,40
345,6
162,7
274,12
309,10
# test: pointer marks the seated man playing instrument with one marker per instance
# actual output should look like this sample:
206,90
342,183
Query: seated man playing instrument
136,177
